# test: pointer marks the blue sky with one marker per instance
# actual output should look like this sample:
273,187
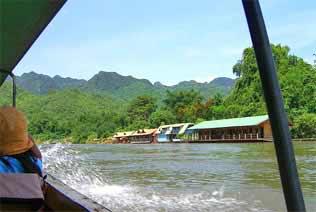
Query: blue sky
165,40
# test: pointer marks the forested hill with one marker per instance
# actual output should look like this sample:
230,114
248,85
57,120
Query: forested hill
87,110
70,114
42,84
118,86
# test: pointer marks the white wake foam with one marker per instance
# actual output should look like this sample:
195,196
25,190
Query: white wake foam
73,169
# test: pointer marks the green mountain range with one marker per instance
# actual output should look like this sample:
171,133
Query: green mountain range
118,86
41,84
58,107
85,110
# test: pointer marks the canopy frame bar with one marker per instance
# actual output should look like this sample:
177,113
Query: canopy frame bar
43,22
274,101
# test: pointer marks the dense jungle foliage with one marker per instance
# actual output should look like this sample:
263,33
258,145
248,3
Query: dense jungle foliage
81,116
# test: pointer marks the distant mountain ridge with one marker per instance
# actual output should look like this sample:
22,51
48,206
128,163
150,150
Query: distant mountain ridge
41,84
116,85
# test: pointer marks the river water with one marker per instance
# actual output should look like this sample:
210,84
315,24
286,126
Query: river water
180,177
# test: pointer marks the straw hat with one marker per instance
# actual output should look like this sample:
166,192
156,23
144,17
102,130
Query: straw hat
13,132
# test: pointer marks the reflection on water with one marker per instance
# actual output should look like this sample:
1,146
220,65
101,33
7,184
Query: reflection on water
180,177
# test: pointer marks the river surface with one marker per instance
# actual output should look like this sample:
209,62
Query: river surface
180,177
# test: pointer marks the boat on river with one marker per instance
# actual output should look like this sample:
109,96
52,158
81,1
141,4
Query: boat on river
23,21
60,197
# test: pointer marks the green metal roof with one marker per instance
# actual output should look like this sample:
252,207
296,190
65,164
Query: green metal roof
236,122
21,22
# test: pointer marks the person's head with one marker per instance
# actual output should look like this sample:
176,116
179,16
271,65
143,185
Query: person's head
14,138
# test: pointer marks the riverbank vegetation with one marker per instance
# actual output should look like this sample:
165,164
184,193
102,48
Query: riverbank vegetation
81,116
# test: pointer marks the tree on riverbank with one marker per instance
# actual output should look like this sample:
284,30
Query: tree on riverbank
297,80
139,111
305,126
162,117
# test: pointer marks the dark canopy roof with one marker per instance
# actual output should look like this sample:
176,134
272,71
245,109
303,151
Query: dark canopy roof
21,22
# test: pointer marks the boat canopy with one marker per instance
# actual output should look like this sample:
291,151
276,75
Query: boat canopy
20,25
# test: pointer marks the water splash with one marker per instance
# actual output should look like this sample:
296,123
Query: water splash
75,169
